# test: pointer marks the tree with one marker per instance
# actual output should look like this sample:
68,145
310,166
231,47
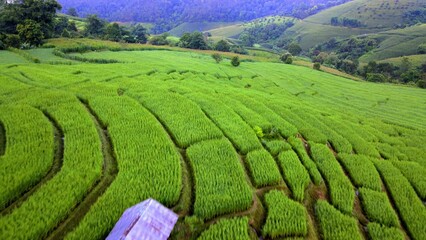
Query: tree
30,32
72,12
222,46
95,26
113,32
193,40
376,77
41,11
317,66
421,83
140,34
405,65
289,60
60,24
294,49
235,61
217,57
159,40
285,56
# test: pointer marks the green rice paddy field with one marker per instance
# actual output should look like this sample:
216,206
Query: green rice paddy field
262,150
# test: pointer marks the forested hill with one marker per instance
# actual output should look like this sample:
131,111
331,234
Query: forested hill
169,12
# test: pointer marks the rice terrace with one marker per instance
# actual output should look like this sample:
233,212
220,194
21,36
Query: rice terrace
258,150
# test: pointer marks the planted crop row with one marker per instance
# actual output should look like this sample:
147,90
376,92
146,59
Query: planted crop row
390,152
377,207
285,217
410,208
380,232
228,229
251,117
275,147
339,143
220,184
81,169
148,162
416,175
29,153
298,146
185,120
360,145
341,189
295,174
286,129
234,128
361,170
334,225
262,168
308,131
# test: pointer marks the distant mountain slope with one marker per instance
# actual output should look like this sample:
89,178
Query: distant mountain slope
174,12
374,16
397,43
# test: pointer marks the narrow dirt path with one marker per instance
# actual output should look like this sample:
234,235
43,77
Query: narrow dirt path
109,172
56,166
2,139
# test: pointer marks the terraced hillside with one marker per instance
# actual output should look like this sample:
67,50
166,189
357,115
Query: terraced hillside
374,17
265,149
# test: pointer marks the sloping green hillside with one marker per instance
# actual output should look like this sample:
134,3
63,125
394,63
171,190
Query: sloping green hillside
397,43
372,14
199,26
375,16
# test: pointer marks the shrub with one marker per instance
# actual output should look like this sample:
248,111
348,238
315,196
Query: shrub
289,60
317,66
217,57
235,61
259,132
222,46
285,56
421,83
12,41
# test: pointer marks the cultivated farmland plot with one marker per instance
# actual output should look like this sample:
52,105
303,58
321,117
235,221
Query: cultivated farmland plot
263,150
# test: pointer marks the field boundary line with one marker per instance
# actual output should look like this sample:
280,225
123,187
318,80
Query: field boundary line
56,166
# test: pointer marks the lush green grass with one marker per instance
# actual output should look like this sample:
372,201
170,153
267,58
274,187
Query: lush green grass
7,57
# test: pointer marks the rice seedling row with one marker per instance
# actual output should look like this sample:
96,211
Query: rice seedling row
361,170
341,190
294,173
276,146
378,232
233,127
29,152
410,207
220,185
185,120
262,168
416,175
335,225
228,229
81,169
285,217
298,146
378,208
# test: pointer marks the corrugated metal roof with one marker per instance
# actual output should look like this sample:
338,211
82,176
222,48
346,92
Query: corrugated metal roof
147,220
